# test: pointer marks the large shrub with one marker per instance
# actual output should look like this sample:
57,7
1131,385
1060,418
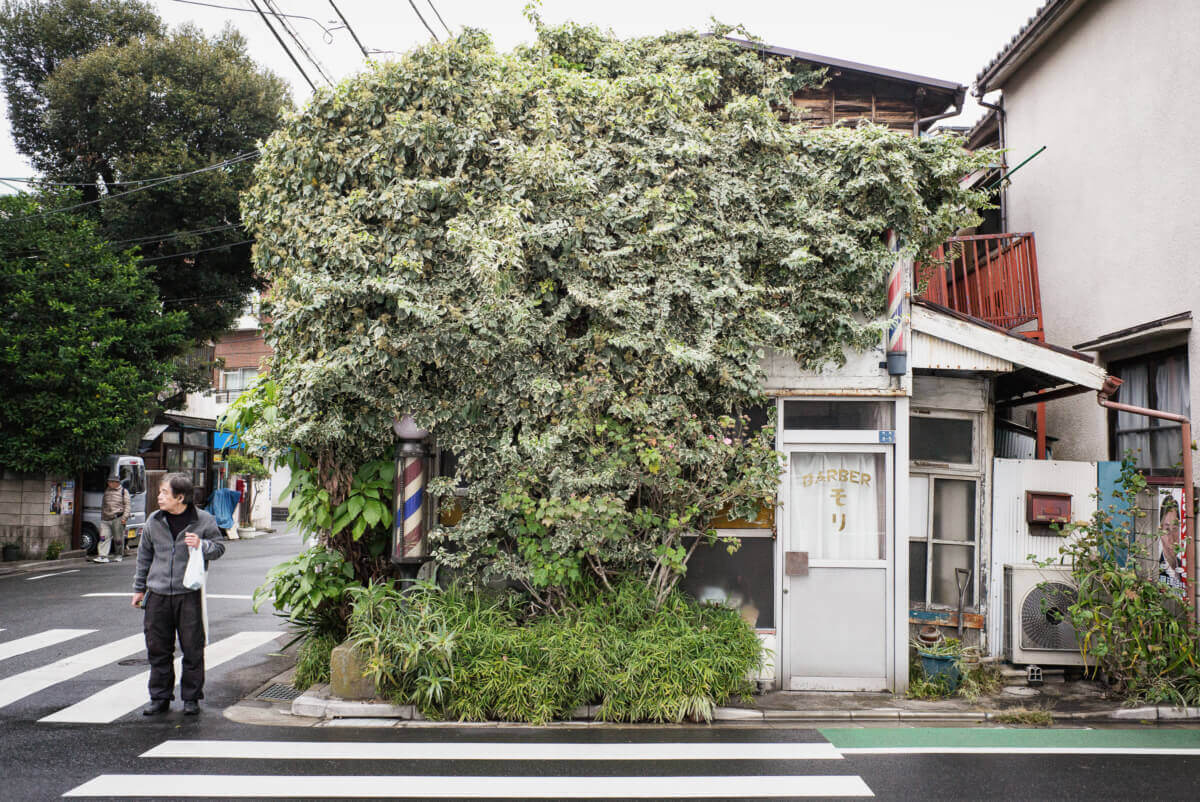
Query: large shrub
475,656
568,263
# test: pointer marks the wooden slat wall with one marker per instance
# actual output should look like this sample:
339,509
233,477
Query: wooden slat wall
822,107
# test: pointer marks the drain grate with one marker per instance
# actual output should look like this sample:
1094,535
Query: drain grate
279,693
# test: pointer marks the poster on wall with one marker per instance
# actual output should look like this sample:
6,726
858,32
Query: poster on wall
62,498
1172,536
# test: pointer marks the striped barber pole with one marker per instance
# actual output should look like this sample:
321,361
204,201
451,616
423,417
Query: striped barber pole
410,524
897,351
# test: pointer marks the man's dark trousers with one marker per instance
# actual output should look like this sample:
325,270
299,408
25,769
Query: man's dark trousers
166,616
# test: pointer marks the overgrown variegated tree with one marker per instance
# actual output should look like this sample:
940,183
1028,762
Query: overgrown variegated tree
567,263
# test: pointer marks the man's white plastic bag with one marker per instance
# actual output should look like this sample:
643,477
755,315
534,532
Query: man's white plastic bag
193,575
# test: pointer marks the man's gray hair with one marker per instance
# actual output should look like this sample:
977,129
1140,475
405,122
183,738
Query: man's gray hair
181,485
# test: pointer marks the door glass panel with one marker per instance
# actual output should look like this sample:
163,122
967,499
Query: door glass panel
941,439
838,415
918,506
954,509
945,559
918,551
838,505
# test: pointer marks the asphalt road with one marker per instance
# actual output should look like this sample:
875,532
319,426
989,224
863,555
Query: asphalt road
62,730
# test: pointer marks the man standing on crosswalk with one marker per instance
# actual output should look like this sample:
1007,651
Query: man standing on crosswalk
172,609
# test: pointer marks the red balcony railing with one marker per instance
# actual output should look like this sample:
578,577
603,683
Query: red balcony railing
992,277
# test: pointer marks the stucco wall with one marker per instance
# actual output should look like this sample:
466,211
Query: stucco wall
1115,100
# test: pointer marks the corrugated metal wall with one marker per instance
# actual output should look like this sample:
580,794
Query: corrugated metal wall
1012,541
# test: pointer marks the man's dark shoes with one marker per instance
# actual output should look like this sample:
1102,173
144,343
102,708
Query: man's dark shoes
156,707
191,707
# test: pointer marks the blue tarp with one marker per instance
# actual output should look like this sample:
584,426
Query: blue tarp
222,504
222,440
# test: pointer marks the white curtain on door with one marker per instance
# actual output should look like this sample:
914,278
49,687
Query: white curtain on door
836,503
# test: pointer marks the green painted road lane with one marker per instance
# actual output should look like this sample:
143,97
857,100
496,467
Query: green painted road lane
998,740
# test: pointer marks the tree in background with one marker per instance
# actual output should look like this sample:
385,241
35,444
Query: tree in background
36,37
84,341
568,263
144,103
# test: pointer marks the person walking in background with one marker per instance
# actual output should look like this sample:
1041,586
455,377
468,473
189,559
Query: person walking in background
114,512
173,610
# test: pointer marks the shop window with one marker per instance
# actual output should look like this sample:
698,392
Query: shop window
234,382
170,437
1157,381
943,533
838,415
196,438
743,580
838,505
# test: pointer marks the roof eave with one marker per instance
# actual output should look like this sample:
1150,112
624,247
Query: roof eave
1052,16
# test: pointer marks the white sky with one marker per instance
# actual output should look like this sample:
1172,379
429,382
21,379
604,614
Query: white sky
946,39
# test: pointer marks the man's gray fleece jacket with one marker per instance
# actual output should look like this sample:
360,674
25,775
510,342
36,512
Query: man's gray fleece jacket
162,559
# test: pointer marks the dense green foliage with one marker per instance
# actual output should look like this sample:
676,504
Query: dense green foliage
36,36
312,660
84,341
472,656
568,263
1136,629
310,590
103,97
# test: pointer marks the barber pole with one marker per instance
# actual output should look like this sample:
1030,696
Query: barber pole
410,523
408,535
897,350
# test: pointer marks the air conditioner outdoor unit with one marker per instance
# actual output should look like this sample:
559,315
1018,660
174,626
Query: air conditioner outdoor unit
1038,630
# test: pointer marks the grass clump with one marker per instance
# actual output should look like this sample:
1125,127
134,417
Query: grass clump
1029,717
312,660
474,656
974,679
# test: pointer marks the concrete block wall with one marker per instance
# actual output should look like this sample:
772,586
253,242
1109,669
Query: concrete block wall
25,517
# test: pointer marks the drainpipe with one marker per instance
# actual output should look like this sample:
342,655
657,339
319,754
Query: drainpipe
1110,387
1001,119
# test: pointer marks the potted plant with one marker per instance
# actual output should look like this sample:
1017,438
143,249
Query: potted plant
12,551
942,660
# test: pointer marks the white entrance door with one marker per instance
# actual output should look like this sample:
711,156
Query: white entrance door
837,600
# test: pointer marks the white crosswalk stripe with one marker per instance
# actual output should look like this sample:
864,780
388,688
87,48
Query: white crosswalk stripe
41,640
790,784
505,787
35,680
128,695
458,750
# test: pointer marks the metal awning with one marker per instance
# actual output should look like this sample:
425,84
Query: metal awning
1026,371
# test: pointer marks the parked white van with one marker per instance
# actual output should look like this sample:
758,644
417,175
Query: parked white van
131,471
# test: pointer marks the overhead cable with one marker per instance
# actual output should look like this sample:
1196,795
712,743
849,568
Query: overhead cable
283,44
178,177
291,31
326,33
130,182
439,16
342,17
423,22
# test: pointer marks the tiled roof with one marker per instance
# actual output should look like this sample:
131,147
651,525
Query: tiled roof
1045,19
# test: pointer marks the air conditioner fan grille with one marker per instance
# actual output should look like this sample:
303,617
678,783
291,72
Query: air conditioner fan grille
1046,620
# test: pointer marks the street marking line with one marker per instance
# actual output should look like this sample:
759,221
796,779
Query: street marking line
407,787
126,696
41,640
1015,750
456,750
30,682
56,573
129,593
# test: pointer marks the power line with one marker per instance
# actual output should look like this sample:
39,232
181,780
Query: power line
87,269
198,250
352,33
123,182
291,31
163,237
439,16
283,44
177,177
423,22
326,32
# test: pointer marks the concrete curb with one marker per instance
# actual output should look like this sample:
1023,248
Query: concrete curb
31,566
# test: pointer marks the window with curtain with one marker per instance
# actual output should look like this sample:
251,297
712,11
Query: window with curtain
1157,381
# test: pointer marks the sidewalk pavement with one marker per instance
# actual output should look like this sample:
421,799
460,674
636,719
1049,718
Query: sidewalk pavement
1071,704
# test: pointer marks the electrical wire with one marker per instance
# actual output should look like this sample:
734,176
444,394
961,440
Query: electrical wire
423,22
439,16
346,23
283,44
327,33
86,269
248,155
304,49
163,237
130,182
